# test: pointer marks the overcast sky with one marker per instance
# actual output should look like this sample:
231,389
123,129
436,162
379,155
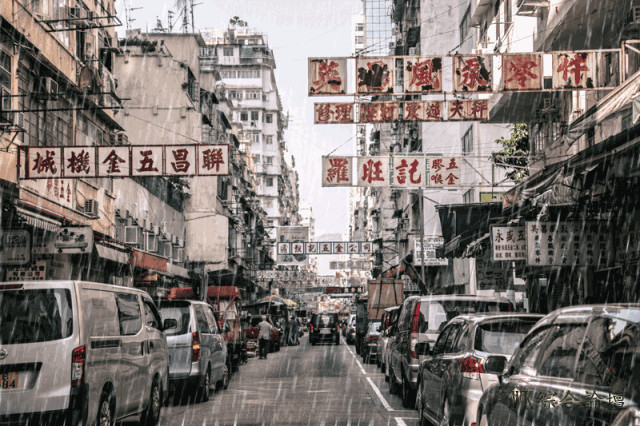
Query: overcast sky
296,30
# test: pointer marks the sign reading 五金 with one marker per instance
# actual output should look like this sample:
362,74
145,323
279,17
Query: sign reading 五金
124,161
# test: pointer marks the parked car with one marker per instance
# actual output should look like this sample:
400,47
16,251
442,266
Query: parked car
421,319
370,346
350,333
77,352
452,379
324,327
197,350
577,366
389,319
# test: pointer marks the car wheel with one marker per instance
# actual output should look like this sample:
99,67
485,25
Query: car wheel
226,378
393,384
105,411
151,415
408,395
203,392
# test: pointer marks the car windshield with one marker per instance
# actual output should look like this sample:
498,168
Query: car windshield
435,314
31,316
326,320
502,336
182,316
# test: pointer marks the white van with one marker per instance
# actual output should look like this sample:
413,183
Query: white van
80,353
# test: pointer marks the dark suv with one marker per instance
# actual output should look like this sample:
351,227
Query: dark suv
324,327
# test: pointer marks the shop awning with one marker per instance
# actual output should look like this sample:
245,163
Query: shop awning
112,254
37,220
148,261
177,271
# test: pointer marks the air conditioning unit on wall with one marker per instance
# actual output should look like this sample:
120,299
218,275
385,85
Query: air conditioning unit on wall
91,207
151,242
131,235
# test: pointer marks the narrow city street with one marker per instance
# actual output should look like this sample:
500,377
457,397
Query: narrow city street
299,385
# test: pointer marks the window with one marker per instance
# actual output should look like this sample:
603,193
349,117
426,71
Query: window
501,336
227,51
467,141
449,344
269,118
255,137
151,315
468,196
524,359
228,74
269,181
253,94
211,319
268,140
201,319
31,316
464,26
609,354
5,82
269,160
244,116
234,94
256,158
359,27
561,349
129,315
438,348
255,115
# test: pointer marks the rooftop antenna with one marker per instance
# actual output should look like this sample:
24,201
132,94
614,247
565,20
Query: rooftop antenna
127,11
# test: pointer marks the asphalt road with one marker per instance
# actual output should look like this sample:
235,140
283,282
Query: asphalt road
299,385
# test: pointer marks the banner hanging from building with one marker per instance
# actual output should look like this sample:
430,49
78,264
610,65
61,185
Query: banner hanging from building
123,161
291,245
351,264
392,111
475,74
323,247
431,245
418,171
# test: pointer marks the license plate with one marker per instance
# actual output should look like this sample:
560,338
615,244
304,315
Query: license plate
325,331
9,381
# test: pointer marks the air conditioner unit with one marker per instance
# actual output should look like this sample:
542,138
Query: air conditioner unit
412,51
548,103
91,207
118,139
178,255
151,242
167,250
156,229
48,86
131,235
180,242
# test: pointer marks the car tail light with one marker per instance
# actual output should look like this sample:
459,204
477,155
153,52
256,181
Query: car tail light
311,326
415,328
195,346
373,338
470,364
353,331
338,326
11,286
78,359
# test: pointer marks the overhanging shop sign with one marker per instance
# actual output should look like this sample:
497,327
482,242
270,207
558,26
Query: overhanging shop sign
15,247
431,244
508,243
123,161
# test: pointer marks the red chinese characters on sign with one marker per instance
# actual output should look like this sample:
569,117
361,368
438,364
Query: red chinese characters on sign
79,161
331,113
213,160
374,75
373,171
444,171
455,110
311,248
44,162
147,160
472,73
422,74
337,171
377,112
522,71
284,248
413,111
408,171
327,76
114,161
433,110
468,110
573,70
180,160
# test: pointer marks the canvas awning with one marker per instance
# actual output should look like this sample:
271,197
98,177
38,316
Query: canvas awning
112,254
37,220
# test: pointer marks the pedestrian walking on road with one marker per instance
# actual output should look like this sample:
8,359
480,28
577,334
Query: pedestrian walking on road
294,330
265,336
285,331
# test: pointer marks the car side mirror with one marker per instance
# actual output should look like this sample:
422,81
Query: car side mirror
423,348
169,323
495,364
